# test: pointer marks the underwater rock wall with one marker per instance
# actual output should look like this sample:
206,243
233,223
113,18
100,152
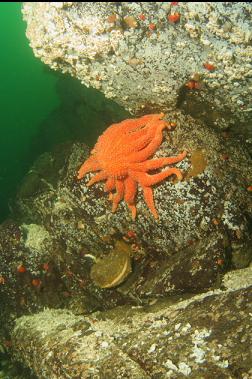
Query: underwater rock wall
151,55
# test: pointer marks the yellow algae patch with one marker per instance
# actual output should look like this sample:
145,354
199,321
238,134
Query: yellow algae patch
131,21
114,268
199,163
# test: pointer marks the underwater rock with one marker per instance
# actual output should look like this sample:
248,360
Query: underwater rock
150,56
64,235
209,333
203,230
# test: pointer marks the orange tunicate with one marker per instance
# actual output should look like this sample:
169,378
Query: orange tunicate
190,84
152,26
112,18
249,188
225,157
193,84
209,66
174,18
21,268
131,234
36,282
45,266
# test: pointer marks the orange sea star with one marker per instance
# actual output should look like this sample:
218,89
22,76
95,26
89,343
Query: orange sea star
121,157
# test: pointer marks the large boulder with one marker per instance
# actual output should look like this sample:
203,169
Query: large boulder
153,55
65,247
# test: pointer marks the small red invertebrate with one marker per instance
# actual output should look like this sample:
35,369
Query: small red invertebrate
112,18
249,188
173,18
220,262
131,234
7,343
190,242
45,266
135,247
193,84
225,157
152,26
21,268
174,3
209,66
36,282
142,17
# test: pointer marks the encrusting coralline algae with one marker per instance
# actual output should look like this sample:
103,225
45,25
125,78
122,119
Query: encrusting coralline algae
135,53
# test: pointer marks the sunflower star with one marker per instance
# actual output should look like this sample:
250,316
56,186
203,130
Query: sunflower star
121,157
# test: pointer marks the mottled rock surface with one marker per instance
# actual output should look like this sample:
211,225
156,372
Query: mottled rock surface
208,336
136,54
206,209
65,248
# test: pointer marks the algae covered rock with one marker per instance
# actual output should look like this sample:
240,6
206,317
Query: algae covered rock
203,230
66,251
208,335
151,56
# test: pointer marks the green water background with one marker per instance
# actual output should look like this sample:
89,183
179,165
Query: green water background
40,109
27,96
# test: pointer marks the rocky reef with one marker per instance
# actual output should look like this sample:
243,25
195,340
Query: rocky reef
195,339
151,56
64,249
88,293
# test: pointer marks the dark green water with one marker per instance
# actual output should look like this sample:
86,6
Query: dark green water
27,96
39,108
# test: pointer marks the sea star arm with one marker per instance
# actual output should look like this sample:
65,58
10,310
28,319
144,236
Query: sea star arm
102,175
153,164
131,125
89,165
135,141
125,127
119,194
132,130
152,147
148,197
137,132
146,134
130,190
147,180
130,194
109,185
133,210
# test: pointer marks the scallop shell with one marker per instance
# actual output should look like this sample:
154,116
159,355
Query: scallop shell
114,268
